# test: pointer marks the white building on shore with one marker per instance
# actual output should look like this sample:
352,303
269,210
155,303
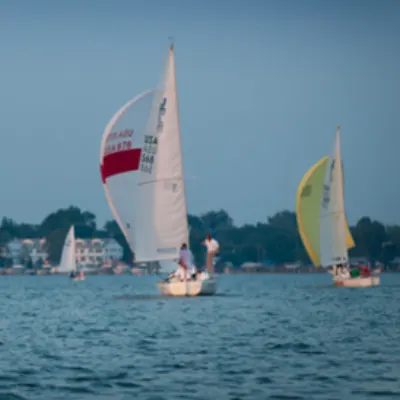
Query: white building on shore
97,252
89,252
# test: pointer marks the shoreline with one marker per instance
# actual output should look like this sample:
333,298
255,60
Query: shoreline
272,272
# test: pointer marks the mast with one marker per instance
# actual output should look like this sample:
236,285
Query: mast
340,178
333,238
172,54
171,49
73,247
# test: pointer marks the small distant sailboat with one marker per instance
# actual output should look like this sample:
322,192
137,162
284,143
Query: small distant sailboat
142,173
68,257
322,222
308,209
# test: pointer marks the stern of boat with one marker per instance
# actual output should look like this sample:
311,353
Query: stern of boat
205,287
357,282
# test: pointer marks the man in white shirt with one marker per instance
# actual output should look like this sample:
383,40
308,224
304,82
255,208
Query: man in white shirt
185,258
212,249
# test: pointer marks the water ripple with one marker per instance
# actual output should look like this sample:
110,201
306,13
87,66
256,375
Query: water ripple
263,337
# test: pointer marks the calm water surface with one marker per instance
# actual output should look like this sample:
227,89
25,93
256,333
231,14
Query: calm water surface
263,337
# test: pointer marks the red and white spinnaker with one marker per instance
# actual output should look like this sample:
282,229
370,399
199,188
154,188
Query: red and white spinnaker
142,172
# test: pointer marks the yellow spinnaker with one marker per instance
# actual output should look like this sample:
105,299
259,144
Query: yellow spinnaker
308,200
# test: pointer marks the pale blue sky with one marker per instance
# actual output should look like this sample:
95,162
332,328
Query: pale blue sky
262,85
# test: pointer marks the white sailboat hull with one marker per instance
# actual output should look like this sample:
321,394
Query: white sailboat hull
206,287
356,282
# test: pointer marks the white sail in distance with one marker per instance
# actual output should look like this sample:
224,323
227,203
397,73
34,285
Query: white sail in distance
68,256
333,233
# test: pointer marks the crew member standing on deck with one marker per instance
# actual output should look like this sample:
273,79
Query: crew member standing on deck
185,261
212,249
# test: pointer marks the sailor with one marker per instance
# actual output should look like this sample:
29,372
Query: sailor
192,269
212,249
355,272
184,262
340,269
365,272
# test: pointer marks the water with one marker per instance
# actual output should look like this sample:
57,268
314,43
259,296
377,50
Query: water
264,337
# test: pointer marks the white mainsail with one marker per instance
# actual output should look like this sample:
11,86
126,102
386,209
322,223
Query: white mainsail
333,233
142,172
68,257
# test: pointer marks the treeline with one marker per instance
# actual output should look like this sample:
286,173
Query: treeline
55,226
276,240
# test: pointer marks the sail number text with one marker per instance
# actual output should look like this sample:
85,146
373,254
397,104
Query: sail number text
148,154
116,147
124,134
326,196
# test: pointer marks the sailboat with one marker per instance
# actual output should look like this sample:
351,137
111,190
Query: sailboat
68,257
322,222
333,225
142,172
308,201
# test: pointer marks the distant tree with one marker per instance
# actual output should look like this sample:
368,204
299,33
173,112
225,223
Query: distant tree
28,263
128,256
369,237
195,223
277,239
89,219
5,262
27,231
84,222
54,244
393,233
5,237
285,221
3,256
388,253
196,236
8,226
285,244
214,221
112,228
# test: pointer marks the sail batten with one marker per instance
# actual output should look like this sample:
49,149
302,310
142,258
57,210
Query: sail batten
161,180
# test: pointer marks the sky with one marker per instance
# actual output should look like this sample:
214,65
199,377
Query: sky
262,85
